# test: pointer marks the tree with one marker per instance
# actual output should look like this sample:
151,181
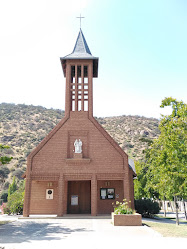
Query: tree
12,187
16,199
167,155
4,159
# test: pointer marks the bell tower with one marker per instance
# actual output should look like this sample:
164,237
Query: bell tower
79,68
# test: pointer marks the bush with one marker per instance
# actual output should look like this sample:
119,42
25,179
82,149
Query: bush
147,207
18,173
4,195
6,186
4,171
5,209
15,202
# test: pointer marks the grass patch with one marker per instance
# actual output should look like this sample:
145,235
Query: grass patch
168,230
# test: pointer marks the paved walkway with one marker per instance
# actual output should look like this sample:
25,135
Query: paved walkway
87,232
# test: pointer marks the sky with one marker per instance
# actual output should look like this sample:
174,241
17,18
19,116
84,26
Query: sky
141,45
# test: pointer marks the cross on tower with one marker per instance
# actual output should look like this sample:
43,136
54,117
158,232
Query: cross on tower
80,19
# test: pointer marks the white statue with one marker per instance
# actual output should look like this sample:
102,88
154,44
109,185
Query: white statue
78,146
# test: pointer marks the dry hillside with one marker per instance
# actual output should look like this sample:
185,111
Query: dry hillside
22,127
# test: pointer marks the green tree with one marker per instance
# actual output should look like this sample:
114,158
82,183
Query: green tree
12,187
167,155
4,159
16,200
140,183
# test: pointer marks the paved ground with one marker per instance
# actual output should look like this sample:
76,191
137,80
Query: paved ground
78,233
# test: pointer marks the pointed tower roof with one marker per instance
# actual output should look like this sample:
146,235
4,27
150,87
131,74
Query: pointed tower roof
81,51
81,47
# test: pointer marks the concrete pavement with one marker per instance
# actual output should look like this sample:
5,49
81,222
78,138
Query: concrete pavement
86,232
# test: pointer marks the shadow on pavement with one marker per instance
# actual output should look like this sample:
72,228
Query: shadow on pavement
18,232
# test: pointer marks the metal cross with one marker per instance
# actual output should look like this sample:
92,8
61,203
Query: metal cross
80,19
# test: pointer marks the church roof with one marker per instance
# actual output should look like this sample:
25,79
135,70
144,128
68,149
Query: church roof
81,51
131,165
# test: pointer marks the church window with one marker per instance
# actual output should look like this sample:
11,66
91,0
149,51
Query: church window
86,106
85,80
79,105
85,71
79,88
85,74
72,74
79,74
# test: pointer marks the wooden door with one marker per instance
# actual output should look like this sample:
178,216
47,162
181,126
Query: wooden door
79,197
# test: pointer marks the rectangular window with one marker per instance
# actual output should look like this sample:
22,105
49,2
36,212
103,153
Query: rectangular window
72,74
85,105
85,71
86,80
107,193
85,74
79,74
73,106
79,105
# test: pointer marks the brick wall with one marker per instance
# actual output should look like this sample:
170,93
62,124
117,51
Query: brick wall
107,162
38,202
105,206
103,155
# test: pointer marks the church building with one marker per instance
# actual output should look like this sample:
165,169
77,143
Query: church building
77,168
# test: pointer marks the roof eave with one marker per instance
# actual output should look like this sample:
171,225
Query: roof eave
95,64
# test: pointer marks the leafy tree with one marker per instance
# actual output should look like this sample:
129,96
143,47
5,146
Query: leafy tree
12,187
15,199
15,202
4,159
167,155
140,182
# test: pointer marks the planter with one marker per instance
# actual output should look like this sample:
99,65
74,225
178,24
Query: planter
127,219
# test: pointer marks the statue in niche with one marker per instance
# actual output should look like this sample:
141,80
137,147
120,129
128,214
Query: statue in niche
78,146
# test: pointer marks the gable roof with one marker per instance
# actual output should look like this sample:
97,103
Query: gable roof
81,51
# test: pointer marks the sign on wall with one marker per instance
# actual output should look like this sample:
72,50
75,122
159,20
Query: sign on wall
49,194
74,200
107,193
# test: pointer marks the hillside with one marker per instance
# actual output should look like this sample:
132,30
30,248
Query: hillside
22,127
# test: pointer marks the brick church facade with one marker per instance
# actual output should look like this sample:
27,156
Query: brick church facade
77,168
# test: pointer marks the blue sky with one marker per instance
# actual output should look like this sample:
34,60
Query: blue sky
141,45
